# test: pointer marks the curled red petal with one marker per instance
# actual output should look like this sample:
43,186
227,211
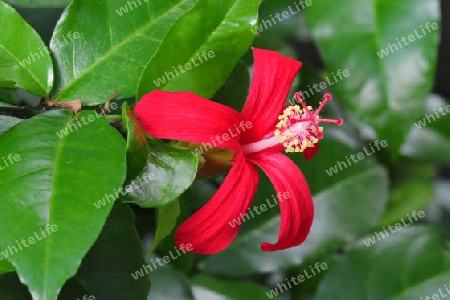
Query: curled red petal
187,117
309,152
297,210
273,75
213,227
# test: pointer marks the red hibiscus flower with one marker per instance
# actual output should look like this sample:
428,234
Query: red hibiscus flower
257,136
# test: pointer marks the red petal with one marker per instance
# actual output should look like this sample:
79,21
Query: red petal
209,230
273,75
188,117
297,210
309,152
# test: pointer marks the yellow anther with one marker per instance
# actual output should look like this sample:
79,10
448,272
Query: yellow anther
294,141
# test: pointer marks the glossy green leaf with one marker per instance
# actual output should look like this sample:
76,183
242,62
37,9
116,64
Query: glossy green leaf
167,220
206,287
61,166
406,198
394,268
28,64
110,48
6,122
388,80
106,265
169,284
169,171
206,50
429,138
39,3
347,205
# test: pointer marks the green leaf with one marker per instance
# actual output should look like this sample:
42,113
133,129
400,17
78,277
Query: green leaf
438,212
429,138
208,49
435,287
347,205
6,122
105,265
169,284
394,268
121,39
206,287
4,104
273,33
73,289
235,90
9,96
49,190
12,288
7,85
137,149
170,171
428,144
379,90
406,198
167,220
5,266
39,3
28,64
19,99
185,262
